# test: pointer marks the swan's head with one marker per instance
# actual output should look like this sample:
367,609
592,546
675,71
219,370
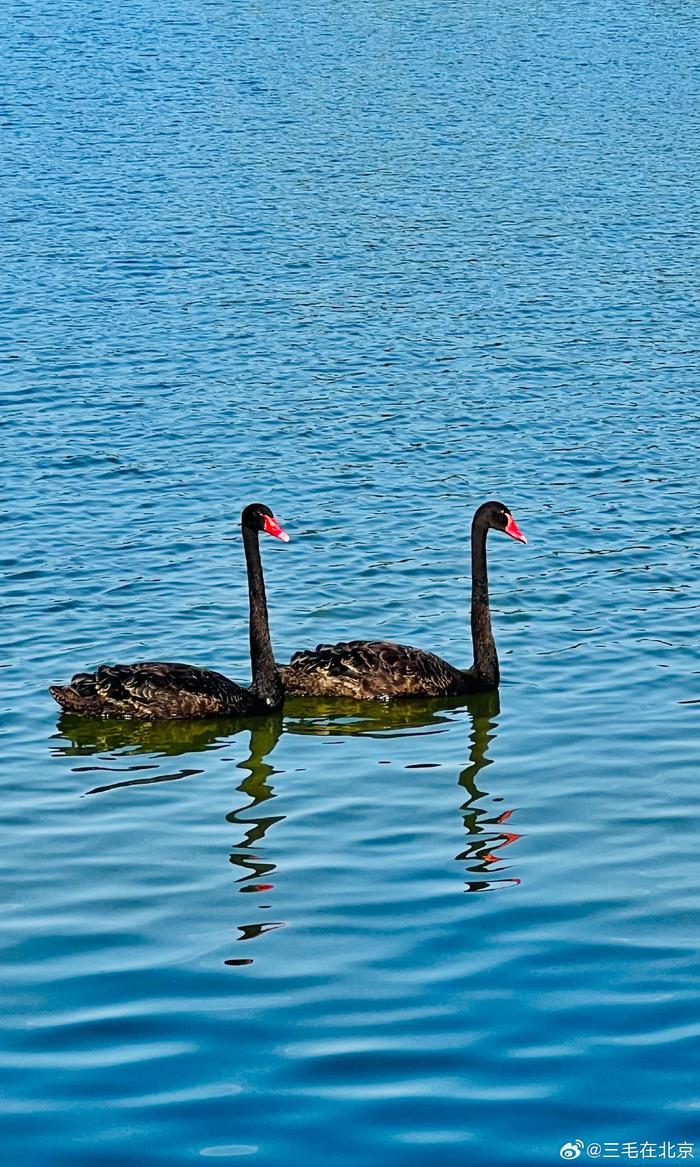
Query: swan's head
498,517
257,517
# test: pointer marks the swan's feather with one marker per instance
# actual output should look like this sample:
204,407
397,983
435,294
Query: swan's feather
153,689
371,668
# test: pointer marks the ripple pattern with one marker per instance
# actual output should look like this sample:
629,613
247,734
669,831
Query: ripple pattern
370,264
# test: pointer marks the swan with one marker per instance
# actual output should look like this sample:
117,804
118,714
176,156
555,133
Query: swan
379,668
151,690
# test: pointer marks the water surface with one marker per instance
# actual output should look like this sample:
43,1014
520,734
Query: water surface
370,265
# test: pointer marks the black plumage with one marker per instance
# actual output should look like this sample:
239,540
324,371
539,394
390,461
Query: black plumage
153,689
163,689
370,668
379,668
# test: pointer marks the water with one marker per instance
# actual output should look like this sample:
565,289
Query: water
370,265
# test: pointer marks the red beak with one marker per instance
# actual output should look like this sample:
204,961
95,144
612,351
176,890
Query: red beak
514,531
273,528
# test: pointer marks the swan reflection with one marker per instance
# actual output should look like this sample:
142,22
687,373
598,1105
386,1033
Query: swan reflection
256,869
348,718
140,748
258,790
483,819
486,837
117,742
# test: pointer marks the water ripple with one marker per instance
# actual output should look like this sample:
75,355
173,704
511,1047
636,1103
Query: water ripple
371,266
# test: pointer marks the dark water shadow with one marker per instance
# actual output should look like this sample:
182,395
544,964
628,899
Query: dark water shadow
348,718
120,744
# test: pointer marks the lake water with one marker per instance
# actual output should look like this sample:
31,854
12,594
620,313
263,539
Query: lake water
370,264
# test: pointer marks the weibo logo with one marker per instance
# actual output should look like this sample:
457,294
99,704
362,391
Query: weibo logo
571,1150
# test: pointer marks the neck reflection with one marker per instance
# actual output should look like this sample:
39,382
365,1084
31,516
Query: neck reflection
249,854
482,816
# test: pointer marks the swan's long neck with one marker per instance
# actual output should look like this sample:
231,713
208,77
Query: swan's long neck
485,656
267,683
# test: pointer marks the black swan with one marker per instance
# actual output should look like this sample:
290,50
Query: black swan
378,668
150,690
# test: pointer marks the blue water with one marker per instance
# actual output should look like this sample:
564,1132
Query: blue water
370,264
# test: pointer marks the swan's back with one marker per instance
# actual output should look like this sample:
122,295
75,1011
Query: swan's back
154,689
370,668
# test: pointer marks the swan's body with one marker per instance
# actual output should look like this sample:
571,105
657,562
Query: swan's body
379,668
371,668
154,689
164,689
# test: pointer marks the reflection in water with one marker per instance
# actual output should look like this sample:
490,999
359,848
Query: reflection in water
246,854
121,741
311,718
316,717
486,837
118,741
134,746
